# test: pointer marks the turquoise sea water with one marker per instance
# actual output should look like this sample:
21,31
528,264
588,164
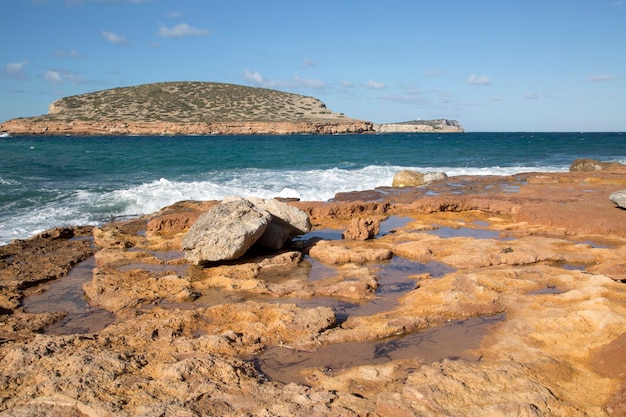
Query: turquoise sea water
54,181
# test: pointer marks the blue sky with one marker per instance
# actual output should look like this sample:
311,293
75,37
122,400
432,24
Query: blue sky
494,65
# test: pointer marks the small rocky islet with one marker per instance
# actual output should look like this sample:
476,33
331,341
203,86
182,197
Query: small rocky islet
201,108
483,296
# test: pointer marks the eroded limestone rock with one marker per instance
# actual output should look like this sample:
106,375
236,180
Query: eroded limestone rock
619,198
412,178
362,229
553,276
225,232
286,221
587,164
337,253
228,230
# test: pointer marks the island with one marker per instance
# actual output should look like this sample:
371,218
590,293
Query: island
195,108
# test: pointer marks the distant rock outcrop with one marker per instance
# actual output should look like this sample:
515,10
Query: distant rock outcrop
42,126
186,108
421,126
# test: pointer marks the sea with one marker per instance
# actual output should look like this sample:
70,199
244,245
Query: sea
52,181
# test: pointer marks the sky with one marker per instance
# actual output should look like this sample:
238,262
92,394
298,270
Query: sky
493,65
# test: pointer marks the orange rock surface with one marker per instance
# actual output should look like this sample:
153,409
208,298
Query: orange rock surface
539,258
30,127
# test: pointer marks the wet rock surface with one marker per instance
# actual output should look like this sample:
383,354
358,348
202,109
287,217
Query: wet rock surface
519,280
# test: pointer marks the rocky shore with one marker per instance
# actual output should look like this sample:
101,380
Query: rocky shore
482,296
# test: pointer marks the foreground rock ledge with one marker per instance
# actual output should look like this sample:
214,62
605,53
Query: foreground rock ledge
545,250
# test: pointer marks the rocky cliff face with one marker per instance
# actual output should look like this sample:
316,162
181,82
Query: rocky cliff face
186,108
421,126
202,108
54,127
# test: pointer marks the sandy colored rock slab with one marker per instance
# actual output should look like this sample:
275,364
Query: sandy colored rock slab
225,232
337,253
362,229
415,179
619,198
544,252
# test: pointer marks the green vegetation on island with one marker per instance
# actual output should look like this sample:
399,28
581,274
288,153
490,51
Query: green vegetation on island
192,102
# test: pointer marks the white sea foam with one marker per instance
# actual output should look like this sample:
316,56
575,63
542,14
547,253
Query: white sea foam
95,207
7,182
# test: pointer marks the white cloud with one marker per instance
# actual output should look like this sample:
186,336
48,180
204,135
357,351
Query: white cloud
114,38
308,63
15,70
413,99
497,98
602,77
114,1
74,78
73,3
375,85
59,76
69,54
531,95
433,73
53,77
479,80
181,30
617,3
309,83
254,77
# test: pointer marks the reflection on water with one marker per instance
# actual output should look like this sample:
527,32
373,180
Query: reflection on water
321,234
550,289
447,232
66,295
394,280
391,223
455,340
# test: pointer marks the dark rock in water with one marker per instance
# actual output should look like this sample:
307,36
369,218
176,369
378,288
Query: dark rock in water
619,198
